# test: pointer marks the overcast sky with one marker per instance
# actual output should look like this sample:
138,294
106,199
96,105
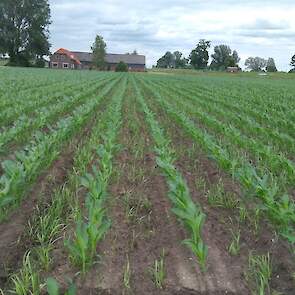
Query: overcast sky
152,27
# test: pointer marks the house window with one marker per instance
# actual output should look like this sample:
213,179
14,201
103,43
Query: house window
65,65
55,64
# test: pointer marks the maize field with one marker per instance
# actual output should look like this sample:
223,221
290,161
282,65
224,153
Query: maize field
146,183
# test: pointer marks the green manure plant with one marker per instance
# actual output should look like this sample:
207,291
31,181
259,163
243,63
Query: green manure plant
234,246
158,272
127,274
27,281
259,273
217,197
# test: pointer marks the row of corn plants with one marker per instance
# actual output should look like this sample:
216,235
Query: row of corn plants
26,125
280,141
48,225
90,230
256,107
30,87
32,83
188,212
264,156
27,80
42,99
279,208
20,173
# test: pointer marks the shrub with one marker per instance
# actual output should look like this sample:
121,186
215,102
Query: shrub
121,67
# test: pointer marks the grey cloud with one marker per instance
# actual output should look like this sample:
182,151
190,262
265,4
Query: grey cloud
153,27
264,24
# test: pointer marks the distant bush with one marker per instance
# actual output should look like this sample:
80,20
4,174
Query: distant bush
121,67
40,63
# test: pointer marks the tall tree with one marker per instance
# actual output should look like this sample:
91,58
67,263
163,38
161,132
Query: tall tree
271,65
166,61
292,63
180,62
24,30
223,58
99,51
255,64
199,56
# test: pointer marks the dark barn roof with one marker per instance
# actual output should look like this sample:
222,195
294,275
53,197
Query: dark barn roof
83,56
127,58
112,58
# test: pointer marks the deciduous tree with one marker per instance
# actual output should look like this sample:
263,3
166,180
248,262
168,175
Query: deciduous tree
99,51
271,66
166,61
223,57
292,63
180,61
199,56
24,30
255,64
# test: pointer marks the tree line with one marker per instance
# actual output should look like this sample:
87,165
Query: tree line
222,58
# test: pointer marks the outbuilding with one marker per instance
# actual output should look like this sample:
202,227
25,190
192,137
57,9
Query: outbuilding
232,69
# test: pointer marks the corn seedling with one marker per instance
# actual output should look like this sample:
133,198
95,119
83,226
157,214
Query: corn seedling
82,248
53,288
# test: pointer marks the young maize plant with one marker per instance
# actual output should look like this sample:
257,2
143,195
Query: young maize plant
185,209
53,288
21,173
280,209
25,125
47,224
82,249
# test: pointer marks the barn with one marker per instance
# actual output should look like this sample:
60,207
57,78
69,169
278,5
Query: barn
65,59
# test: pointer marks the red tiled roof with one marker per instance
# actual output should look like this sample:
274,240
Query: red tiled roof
69,54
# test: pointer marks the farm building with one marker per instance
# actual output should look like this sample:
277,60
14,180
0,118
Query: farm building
232,69
65,59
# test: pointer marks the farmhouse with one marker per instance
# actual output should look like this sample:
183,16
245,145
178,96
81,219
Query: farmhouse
65,59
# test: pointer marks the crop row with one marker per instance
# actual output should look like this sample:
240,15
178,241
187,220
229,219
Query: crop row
82,248
188,212
48,225
279,122
264,157
26,125
20,173
247,124
279,208
40,100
